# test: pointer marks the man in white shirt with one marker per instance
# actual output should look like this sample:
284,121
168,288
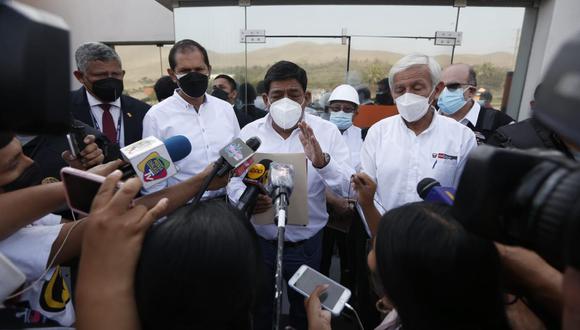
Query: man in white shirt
288,129
401,150
208,122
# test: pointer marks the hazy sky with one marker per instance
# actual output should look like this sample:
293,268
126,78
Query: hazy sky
485,30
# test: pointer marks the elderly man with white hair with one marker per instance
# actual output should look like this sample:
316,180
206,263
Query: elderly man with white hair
401,150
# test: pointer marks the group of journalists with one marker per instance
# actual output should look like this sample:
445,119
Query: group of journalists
149,259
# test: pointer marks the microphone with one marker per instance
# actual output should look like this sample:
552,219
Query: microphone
236,153
281,184
430,190
255,180
233,155
152,160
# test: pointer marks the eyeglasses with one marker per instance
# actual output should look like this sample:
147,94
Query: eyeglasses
345,108
454,86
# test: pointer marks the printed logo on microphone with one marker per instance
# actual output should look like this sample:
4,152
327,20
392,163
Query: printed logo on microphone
442,155
154,167
256,171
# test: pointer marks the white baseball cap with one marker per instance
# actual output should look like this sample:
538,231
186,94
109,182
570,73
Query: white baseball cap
344,93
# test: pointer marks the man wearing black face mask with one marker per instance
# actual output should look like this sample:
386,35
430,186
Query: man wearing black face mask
207,121
226,88
100,102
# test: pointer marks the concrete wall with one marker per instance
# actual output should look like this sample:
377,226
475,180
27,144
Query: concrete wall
557,23
143,21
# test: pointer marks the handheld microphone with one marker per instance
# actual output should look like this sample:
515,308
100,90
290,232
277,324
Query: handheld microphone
233,155
255,180
152,160
236,153
430,190
281,184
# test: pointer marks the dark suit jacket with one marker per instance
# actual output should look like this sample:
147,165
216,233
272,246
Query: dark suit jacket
133,113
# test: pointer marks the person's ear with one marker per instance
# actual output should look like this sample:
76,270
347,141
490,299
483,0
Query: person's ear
123,75
265,99
307,98
438,89
171,73
234,95
80,77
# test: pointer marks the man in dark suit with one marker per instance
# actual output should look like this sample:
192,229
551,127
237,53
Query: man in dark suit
100,103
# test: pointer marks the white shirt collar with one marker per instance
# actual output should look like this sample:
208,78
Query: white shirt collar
472,115
94,102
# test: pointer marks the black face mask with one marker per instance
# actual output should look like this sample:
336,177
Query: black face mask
30,177
108,89
194,84
220,94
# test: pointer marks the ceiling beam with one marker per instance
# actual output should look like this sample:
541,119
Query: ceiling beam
170,4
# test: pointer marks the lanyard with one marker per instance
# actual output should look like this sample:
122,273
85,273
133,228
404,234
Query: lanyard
119,122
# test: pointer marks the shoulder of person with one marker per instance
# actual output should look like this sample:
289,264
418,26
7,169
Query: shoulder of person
452,127
133,103
253,126
218,102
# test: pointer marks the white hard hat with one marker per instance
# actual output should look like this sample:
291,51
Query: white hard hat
344,93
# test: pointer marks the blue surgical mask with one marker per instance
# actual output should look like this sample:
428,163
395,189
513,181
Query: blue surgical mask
481,102
451,101
341,119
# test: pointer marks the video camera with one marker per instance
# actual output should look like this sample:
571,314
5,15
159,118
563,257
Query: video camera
525,198
35,66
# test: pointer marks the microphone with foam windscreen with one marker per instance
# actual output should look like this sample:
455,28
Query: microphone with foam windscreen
255,180
281,185
152,160
430,190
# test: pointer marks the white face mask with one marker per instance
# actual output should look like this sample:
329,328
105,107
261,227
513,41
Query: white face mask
412,107
286,113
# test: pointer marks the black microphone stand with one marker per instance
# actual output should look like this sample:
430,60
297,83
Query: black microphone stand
281,204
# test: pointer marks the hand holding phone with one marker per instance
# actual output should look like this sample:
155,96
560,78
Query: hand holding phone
305,281
81,188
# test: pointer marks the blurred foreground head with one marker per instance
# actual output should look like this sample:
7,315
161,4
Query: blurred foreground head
199,269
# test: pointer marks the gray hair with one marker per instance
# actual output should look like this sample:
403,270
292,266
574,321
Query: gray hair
94,51
416,59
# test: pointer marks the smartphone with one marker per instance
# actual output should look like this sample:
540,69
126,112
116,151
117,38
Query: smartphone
306,279
75,140
80,188
12,278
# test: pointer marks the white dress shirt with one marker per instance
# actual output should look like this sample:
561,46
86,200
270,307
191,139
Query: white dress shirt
335,175
208,130
29,247
97,116
353,138
472,115
397,159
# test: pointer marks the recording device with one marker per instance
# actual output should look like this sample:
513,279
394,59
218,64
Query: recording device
12,278
255,180
80,188
430,190
525,198
76,139
281,184
152,160
306,279
235,154
35,70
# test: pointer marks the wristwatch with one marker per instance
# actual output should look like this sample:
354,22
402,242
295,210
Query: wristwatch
326,160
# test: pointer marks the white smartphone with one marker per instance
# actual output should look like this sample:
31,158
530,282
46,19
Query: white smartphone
305,281
12,278
80,188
